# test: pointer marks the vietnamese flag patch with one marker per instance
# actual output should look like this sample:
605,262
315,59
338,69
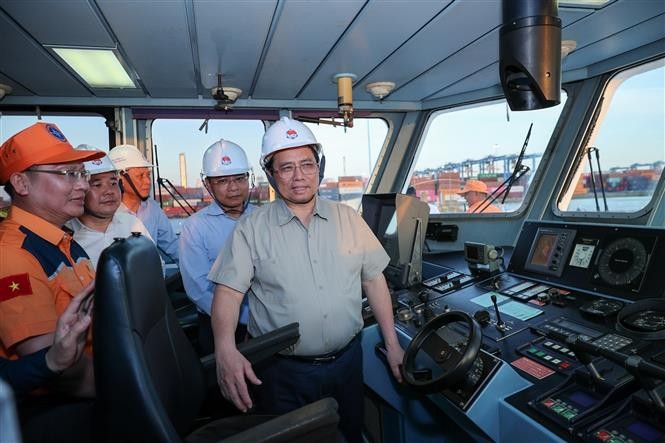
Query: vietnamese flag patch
14,286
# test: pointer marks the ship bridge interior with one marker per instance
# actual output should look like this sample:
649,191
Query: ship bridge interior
553,303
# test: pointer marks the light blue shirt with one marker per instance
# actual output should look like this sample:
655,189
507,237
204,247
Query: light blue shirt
158,225
202,238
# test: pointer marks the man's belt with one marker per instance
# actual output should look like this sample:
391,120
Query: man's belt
325,358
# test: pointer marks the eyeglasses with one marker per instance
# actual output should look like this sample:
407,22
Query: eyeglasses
71,175
287,171
224,182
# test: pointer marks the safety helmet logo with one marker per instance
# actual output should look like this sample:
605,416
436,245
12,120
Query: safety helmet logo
291,134
226,160
55,132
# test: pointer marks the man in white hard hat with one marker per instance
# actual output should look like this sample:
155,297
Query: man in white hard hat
225,174
101,222
475,192
135,182
303,259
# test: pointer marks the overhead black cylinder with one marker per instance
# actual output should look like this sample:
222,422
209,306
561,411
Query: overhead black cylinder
530,54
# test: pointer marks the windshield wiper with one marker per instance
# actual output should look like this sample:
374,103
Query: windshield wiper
164,183
504,188
591,149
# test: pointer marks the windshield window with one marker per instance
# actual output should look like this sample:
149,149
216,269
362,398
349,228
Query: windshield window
468,154
351,155
618,169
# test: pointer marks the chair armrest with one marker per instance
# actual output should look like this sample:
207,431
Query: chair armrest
259,348
314,422
256,349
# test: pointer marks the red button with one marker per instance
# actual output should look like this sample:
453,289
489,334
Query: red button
548,403
603,435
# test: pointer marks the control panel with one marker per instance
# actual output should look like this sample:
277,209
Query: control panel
572,336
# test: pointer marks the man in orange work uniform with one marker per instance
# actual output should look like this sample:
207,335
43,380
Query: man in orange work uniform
41,267
474,192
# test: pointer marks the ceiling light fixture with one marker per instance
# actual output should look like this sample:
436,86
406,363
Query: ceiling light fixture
345,96
5,90
380,89
226,96
98,67
567,46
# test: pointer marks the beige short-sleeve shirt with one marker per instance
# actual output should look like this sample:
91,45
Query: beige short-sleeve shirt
307,275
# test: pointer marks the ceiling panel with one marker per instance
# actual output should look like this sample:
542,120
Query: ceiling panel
606,22
453,69
156,41
23,59
230,38
16,88
485,78
306,32
618,43
291,49
459,25
380,29
436,82
60,22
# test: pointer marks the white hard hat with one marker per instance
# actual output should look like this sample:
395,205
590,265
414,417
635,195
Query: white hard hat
99,165
284,134
128,156
224,158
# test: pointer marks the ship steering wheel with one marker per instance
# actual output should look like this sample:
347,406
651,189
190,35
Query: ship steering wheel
453,360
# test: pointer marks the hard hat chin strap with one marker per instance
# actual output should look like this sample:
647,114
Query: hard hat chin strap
125,176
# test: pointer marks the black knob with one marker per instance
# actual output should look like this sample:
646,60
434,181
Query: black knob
482,317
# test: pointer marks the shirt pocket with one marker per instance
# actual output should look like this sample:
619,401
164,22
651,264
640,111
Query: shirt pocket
274,279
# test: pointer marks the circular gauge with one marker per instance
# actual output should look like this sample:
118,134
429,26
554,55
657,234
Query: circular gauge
622,261
646,321
643,319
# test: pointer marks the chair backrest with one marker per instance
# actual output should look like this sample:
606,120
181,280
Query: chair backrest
149,379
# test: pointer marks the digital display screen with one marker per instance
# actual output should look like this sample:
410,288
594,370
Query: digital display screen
474,252
582,399
471,252
583,253
644,430
578,328
543,250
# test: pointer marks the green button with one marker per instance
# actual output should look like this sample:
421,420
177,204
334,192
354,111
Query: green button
540,353
532,350
568,414
558,408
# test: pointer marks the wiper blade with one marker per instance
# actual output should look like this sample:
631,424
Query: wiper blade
504,188
591,149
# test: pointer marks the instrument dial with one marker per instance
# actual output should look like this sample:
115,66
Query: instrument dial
622,261
647,321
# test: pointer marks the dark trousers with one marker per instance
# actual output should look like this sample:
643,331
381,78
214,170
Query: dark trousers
289,384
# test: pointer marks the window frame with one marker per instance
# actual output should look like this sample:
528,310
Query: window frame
538,176
589,131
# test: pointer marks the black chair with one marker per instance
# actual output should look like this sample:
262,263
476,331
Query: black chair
150,382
